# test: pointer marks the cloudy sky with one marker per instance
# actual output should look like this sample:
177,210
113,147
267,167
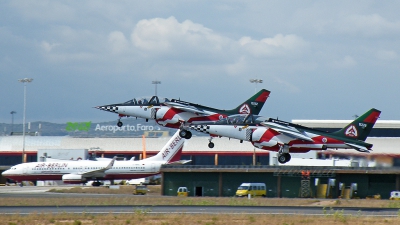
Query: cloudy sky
319,59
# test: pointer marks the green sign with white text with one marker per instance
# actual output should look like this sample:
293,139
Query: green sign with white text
83,126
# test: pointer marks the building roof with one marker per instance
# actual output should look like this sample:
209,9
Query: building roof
10,144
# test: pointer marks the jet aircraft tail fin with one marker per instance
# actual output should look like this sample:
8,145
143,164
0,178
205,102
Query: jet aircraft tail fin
172,151
253,105
360,128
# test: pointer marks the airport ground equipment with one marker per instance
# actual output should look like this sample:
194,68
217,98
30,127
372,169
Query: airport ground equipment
140,190
253,189
182,191
395,195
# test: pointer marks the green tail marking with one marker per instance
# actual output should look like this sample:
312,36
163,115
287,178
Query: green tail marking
253,105
360,128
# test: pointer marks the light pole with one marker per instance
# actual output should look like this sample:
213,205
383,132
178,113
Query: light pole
24,81
156,82
256,81
12,121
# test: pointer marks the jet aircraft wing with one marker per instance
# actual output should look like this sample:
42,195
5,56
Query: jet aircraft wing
289,131
99,172
358,147
186,107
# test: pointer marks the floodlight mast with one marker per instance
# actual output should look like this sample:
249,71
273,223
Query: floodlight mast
24,81
256,81
156,82
12,120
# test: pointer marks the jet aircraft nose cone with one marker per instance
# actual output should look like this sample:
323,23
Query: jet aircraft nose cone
110,108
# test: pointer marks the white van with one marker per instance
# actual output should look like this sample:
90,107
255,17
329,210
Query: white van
254,189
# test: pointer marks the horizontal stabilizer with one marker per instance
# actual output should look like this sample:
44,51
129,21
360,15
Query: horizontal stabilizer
358,147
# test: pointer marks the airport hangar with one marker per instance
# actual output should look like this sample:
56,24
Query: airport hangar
220,170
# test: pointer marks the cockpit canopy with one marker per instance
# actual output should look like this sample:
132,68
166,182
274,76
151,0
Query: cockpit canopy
241,119
146,101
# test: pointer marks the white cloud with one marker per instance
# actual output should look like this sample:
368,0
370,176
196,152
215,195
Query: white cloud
118,42
168,36
44,10
287,85
346,62
387,55
237,67
278,45
47,46
368,25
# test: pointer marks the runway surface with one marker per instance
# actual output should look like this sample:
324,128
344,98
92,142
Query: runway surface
283,210
40,192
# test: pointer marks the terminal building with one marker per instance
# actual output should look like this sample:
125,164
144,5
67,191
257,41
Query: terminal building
228,163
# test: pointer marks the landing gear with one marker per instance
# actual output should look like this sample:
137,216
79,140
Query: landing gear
284,158
210,144
119,124
96,183
185,134
283,154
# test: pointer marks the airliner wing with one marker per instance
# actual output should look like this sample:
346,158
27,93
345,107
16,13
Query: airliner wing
187,108
180,162
99,172
288,131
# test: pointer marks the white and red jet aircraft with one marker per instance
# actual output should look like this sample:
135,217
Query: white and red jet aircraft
73,172
179,114
284,137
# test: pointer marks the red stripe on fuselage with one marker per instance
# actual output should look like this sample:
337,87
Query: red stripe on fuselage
269,134
171,113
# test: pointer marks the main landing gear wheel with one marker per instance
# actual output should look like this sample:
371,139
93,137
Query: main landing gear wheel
185,134
284,158
119,124
211,145
96,183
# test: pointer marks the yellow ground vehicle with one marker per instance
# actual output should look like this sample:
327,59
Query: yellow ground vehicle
140,190
254,189
182,191
395,195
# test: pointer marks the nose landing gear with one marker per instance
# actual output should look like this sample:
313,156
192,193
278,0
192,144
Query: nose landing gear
211,144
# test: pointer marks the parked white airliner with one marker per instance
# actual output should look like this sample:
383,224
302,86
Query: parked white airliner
74,172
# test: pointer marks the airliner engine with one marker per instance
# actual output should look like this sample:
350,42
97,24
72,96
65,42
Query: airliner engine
73,179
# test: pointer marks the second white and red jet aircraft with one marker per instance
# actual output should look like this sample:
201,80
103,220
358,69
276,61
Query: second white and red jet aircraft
284,137
176,113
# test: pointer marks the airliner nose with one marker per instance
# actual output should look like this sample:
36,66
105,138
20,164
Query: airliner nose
109,108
